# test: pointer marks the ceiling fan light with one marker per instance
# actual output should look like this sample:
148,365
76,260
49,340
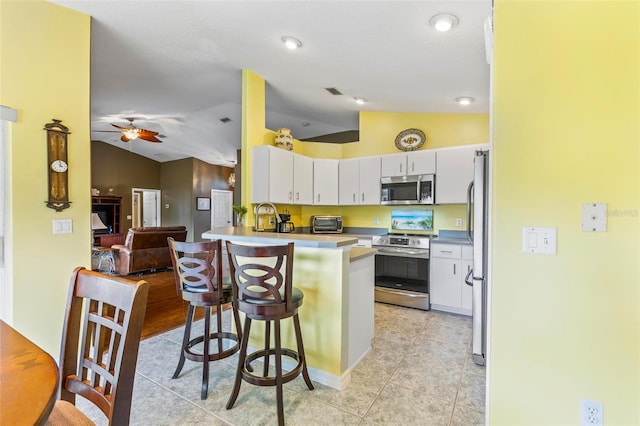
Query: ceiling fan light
131,134
291,42
444,21
465,100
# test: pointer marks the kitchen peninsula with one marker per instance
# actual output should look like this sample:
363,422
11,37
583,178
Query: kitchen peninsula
338,284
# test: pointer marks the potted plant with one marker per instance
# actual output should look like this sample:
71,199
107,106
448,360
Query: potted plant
240,211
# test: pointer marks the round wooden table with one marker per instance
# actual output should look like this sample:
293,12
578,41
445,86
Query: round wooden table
28,377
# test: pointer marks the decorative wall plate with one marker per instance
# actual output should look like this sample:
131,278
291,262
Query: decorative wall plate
410,139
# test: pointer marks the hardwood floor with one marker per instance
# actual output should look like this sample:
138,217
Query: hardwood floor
165,308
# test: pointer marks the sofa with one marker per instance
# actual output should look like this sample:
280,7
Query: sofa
146,249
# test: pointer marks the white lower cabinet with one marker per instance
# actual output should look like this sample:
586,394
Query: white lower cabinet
449,265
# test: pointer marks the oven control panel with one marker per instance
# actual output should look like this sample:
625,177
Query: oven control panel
412,241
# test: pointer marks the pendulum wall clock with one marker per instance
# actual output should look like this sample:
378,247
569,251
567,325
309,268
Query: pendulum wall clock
58,168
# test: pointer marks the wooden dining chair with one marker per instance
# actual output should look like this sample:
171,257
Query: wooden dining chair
100,339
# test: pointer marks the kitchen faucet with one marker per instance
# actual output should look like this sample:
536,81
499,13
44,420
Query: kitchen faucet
257,210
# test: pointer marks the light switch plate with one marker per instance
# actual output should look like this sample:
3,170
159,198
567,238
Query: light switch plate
539,240
594,217
62,226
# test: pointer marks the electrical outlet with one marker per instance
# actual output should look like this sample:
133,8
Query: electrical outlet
458,222
591,413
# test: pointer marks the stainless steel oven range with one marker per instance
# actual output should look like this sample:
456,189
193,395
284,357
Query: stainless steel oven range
402,270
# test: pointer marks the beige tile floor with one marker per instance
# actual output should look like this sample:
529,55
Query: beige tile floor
419,372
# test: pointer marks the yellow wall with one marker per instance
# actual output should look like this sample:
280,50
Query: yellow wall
44,74
566,114
378,131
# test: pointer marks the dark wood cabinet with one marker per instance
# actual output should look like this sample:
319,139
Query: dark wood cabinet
109,208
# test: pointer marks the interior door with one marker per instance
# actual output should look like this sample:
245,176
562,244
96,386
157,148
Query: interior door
7,115
145,207
221,208
149,203
137,209
5,305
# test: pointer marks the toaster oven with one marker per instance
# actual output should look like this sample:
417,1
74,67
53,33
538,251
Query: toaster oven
326,224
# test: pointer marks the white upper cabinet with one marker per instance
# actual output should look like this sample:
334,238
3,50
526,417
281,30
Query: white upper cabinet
410,163
349,182
454,172
271,175
280,176
302,179
359,181
283,177
325,182
369,173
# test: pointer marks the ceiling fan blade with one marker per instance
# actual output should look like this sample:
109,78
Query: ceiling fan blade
107,131
148,137
123,138
148,132
118,127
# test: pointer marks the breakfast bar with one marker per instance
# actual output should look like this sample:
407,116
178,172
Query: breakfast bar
337,314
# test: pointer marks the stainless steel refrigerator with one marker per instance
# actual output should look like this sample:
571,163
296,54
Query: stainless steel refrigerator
477,233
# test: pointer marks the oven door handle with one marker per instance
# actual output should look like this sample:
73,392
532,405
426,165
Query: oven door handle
408,253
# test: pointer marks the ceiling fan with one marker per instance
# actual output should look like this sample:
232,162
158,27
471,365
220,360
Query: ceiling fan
131,132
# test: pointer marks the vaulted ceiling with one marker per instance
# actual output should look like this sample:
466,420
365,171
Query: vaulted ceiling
176,66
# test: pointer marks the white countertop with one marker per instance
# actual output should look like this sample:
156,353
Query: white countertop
301,240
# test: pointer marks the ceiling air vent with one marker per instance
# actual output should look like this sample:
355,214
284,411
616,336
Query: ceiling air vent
225,119
333,90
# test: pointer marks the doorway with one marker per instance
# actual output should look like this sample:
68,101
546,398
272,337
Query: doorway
145,207
221,208
7,115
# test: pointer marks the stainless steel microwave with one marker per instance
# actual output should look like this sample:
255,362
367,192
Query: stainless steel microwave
417,189
326,224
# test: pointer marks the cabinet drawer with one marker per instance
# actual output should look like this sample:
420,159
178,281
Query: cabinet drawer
448,251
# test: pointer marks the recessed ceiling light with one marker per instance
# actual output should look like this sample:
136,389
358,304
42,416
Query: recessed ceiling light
291,42
360,101
465,100
444,21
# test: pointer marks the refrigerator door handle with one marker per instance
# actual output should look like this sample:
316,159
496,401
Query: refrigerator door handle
469,278
469,200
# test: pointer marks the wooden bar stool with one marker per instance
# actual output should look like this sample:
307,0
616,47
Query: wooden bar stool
262,288
197,268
